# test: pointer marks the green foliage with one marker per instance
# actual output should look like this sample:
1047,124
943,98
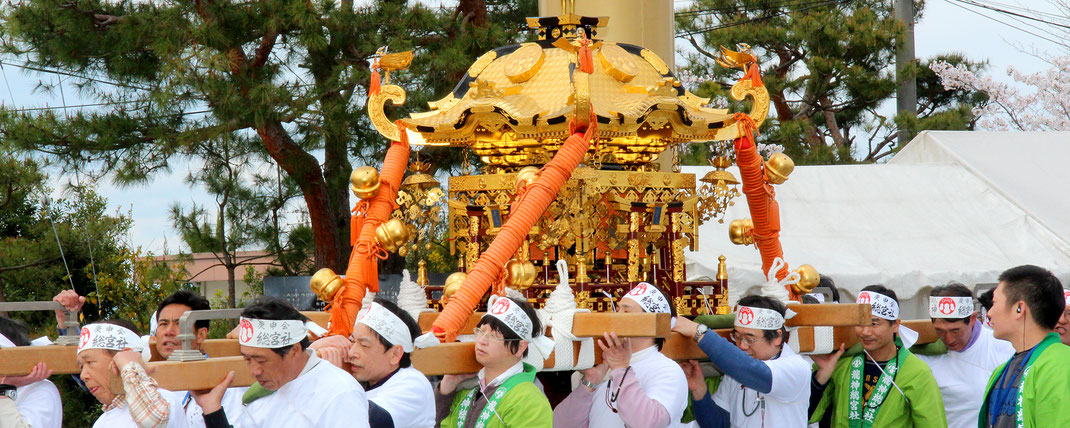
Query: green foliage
830,71
178,74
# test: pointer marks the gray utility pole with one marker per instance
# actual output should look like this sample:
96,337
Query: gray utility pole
907,94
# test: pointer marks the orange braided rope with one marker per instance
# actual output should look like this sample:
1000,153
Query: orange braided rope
525,210
761,199
362,274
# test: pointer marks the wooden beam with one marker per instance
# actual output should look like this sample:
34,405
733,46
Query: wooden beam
830,314
591,324
195,375
19,361
318,317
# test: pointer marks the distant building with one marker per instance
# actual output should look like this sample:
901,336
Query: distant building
210,277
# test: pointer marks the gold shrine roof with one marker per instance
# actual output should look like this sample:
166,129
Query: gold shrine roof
513,105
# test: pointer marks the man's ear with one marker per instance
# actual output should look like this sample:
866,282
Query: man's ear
202,334
395,353
520,349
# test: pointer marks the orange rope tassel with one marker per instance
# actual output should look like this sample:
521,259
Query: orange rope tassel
373,88
523,214
761,199
362,273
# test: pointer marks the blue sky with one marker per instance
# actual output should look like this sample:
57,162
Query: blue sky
944,28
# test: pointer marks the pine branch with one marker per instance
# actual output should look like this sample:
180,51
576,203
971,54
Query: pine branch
27,265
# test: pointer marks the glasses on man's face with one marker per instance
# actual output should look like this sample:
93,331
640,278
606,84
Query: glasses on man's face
492,335
738,338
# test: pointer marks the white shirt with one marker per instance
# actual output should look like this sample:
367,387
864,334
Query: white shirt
39,405
195,415
321,396
786,404
119,417
408,398
963,376
661,379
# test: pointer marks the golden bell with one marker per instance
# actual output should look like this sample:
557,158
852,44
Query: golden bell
520,275
526,176
392,235
453,283
325,283
809,278
739,231
778,168
364,182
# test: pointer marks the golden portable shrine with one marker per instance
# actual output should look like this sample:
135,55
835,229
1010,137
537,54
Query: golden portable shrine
575,200
569,129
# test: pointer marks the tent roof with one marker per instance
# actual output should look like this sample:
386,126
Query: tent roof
900,224
1022,166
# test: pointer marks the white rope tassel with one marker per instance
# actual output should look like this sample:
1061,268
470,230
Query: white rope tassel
777,289
411,296
559,310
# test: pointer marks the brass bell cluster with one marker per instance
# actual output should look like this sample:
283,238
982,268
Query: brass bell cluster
453,283
526,176
717,191
809,278
325,284
740,231
520,274
392,236
778,167
364,182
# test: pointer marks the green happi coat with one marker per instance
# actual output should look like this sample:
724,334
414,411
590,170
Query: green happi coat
926,408
1045,389
524,405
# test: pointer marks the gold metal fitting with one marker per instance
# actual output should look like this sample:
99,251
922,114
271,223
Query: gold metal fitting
364,182
392,236
809,278
325,283
453,283
739,231
778,168
526,176
520,275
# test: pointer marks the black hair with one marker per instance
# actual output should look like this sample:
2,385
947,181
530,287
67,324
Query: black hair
512,340
810,300
15,331
186,297
274,308
1038,288
768,303
414,328
952,289
882,290
986,299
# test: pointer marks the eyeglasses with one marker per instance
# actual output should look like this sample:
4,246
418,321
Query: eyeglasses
490,334
737,338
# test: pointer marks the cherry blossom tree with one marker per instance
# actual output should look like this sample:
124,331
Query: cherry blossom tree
1034,102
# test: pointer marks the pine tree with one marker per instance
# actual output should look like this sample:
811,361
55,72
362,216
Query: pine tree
176,74
829,67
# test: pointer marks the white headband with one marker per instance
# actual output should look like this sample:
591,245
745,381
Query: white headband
883,306
111,337
647,296
393,329
259,333
1066,296
950,307
510,314
760,318
887,308
5,342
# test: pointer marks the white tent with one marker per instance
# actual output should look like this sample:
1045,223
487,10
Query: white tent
923,219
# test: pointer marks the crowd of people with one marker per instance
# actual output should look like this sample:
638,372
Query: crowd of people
1008,366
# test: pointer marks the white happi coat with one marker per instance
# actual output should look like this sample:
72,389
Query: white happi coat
963,376
661,379
786,404
119,417
39,405
408,397
322,396
195,415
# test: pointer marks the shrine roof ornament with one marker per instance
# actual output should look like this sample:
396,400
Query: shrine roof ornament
513,105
